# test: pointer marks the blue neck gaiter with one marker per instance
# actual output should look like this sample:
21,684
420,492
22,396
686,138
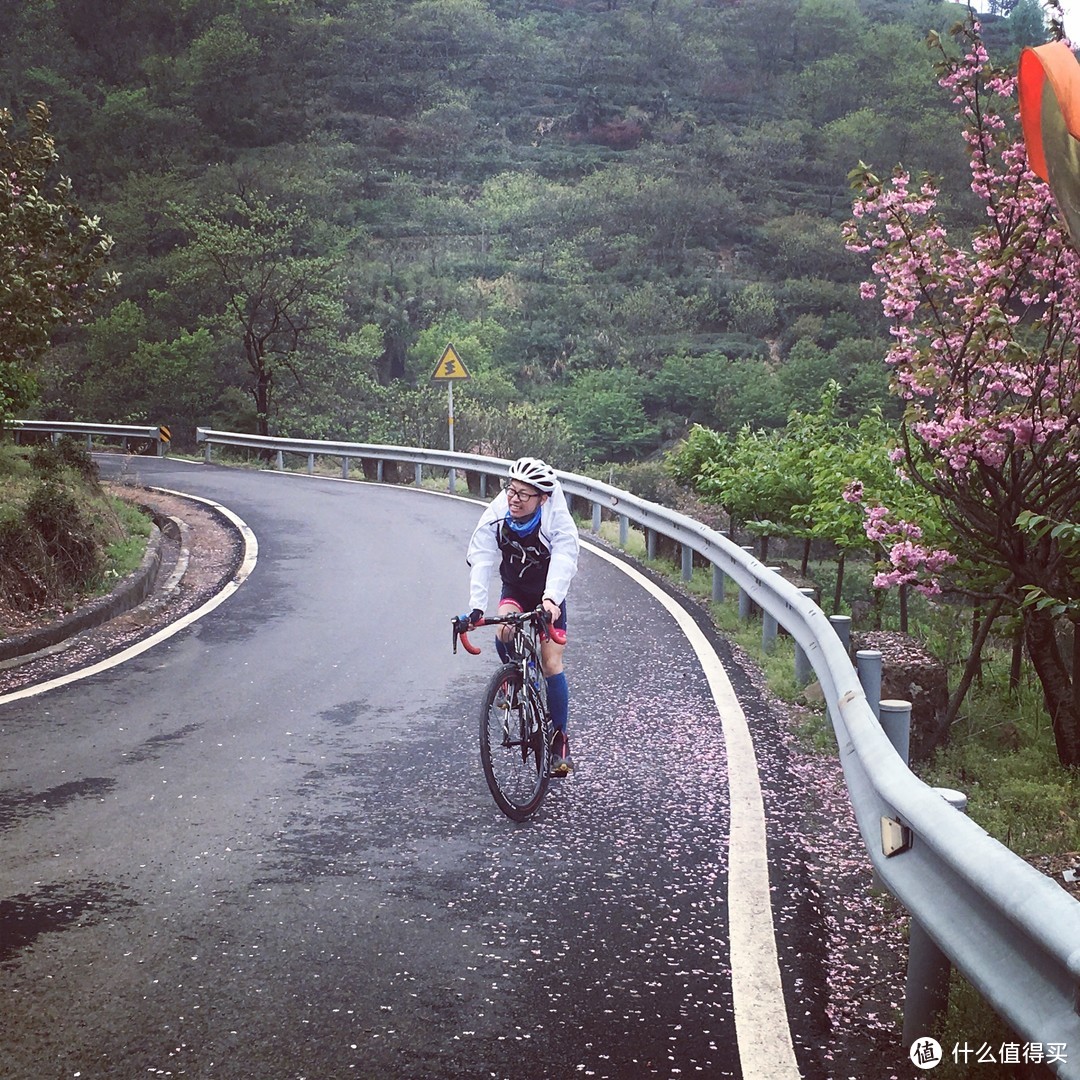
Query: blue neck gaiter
523,527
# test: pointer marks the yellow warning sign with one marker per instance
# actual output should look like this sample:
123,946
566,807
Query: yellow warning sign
450,366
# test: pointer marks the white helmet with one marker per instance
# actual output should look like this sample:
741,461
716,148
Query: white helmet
534,472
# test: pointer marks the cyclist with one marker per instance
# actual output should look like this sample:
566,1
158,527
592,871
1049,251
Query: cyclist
528,530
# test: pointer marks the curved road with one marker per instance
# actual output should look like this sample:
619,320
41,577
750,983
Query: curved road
264,847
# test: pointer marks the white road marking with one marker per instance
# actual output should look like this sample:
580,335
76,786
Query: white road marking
251,554
766,1051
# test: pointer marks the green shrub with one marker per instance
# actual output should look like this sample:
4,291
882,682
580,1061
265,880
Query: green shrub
66,535
56,525
52,460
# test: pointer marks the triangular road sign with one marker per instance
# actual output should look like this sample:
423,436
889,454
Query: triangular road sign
450,366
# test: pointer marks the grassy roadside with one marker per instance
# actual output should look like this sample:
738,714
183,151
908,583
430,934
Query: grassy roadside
62,537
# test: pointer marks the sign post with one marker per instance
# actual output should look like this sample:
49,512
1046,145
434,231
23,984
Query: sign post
450,368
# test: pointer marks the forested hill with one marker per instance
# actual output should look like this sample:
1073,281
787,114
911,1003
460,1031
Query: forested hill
625,214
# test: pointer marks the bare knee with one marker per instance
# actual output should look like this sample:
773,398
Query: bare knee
551,658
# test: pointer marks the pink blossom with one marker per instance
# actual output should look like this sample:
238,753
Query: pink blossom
985,331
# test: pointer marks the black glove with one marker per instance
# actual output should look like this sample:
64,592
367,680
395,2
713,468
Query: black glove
475,616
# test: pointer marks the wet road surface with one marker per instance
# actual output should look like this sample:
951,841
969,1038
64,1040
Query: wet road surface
265,846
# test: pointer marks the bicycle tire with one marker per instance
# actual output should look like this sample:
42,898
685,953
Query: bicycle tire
514,745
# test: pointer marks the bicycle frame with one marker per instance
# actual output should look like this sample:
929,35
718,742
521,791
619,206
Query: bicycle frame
515,725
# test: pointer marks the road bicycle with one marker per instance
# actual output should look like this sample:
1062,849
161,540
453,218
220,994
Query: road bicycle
515,723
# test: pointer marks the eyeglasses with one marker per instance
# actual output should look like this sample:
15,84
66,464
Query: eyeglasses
514,494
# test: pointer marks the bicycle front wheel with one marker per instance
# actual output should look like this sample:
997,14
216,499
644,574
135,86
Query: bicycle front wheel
513,750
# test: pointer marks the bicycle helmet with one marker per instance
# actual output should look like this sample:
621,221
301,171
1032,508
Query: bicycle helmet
534,472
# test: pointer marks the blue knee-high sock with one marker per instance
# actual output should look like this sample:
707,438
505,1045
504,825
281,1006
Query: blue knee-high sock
500,648
558,696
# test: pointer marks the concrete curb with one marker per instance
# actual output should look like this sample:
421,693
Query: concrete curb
131,592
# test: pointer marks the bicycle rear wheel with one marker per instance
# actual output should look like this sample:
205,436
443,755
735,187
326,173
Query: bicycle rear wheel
513,749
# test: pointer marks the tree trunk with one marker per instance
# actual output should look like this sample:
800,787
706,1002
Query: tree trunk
263,383
1057,686
391,365
976,621
838,592
1016,664
263,376
980,631
1076,666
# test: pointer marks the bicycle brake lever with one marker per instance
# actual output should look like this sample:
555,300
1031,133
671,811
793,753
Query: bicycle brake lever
548,629
460,626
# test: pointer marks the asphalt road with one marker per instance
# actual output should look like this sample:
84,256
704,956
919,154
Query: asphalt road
264,847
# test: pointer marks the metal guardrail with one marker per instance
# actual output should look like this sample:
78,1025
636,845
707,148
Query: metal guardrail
1012,932
159,435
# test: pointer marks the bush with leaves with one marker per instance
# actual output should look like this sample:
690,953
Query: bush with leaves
54,535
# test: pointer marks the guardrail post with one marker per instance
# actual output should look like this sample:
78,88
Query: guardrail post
379,470
310,464
344,467
279,461
650,543
868,668
596,517
926,991
483,485
842,625
624,530
452,481
717,584
206,453
803,668
895,717
687,562
419,474
768,624
746,605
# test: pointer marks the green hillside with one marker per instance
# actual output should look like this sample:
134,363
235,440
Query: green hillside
625,215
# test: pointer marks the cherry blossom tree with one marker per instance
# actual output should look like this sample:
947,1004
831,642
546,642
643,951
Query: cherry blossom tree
52,256
986,355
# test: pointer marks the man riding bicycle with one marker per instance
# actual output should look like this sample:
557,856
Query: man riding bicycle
528,529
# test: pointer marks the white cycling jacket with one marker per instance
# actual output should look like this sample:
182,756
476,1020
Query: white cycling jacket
558,533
